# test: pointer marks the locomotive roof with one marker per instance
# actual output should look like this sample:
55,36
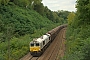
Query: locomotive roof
41,39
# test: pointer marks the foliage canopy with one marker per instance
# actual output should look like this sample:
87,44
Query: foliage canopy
78,33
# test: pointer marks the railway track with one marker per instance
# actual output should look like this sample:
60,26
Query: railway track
54,52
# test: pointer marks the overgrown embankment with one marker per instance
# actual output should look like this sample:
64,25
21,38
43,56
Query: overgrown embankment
18,26
78,33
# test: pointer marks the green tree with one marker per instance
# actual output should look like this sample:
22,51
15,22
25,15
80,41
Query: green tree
0,2
83,20
71,17
39,8
46,10
63,14
1,25
83,11
78,33
35,2
11,0
4,2
23,3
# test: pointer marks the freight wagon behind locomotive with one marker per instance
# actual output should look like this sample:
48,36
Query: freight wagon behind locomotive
39,45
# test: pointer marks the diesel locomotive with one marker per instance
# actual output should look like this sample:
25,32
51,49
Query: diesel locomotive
39,45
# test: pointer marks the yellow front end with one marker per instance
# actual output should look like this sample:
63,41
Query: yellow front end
35,49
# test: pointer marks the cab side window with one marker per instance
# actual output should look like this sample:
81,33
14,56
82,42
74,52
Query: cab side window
43,42
49,38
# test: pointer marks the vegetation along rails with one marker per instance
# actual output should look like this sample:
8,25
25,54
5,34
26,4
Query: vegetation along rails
51,52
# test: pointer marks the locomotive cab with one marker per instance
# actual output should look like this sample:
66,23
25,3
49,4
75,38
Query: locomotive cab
35,48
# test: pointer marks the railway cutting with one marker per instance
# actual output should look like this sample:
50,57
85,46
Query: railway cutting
54,52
